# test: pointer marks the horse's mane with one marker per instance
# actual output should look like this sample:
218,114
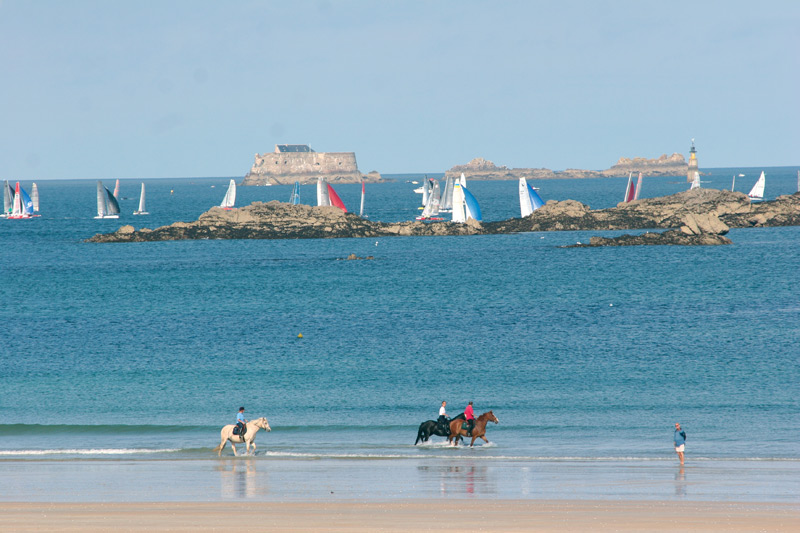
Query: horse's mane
484,415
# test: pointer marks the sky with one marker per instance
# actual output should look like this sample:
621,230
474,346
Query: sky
131,89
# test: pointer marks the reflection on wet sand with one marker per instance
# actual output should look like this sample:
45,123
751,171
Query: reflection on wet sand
680,482
459,480
239,479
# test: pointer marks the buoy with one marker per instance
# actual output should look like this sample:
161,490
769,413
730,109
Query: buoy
611,305
299,335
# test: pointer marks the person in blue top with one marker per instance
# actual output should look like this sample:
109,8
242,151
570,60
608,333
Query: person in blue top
680,441
240,422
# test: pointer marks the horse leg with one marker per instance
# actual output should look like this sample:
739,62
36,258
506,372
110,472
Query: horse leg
234,449
254,447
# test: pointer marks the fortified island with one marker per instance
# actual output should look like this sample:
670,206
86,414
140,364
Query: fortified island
298,162
483,169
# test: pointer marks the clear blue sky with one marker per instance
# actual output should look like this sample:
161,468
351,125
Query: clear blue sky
101,89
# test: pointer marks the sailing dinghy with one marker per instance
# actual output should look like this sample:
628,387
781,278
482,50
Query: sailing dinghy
465,206
695,181
757,192
107,205
230,197
363,193
8,199
326,196
529,199
431,209
142,210
294,199
22,205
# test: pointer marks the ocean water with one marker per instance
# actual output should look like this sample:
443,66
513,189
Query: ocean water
130,357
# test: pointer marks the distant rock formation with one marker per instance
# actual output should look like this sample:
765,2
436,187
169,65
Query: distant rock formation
290,163
697,213
483,169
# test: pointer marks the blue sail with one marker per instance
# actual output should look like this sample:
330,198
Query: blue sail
27,203
536,200
473,209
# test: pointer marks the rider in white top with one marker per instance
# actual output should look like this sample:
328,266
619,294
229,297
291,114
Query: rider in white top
443,420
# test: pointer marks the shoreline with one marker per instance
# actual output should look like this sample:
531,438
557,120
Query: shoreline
407,515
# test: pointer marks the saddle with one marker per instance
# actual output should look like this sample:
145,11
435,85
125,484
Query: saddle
465,427
236,430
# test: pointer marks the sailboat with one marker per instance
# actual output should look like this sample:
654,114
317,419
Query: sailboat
230,197
107,205
695,181
35,197
22,205
630,189
757,192
638,187
363,193
294,199
465,206
529,199
446,204
142,210
8,199
431,209
327,196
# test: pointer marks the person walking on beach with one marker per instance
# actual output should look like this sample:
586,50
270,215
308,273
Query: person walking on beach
470,416
240,422
680,441
443,421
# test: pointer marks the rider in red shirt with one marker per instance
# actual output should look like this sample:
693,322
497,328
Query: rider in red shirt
470,418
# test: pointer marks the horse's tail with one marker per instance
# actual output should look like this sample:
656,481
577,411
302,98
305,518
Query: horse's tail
420,435
219,448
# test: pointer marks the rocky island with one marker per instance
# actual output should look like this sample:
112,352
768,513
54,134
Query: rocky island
482,169
697,214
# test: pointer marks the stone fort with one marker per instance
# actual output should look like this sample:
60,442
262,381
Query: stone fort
298,162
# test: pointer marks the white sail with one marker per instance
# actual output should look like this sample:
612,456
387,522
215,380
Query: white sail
432,207
446,205
638,187
116,190
695,181
35,197
18,210
294,199
525,204
323,198
142,210
426,191
230,196
101,200
757,192
463,180
459,204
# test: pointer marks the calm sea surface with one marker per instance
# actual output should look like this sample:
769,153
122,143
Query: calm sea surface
141,352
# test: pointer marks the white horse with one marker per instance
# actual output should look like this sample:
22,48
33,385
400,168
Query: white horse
249,437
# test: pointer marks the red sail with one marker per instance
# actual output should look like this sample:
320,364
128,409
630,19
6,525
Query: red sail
335,200
631,192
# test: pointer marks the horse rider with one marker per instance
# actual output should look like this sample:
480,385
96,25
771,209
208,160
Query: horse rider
468,414
240,422
444,421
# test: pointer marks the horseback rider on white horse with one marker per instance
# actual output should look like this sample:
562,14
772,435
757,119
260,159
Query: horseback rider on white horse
240,423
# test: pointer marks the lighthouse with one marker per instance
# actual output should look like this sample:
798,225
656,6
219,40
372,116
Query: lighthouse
692,164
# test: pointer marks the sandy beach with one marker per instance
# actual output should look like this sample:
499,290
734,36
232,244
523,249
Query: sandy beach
414,515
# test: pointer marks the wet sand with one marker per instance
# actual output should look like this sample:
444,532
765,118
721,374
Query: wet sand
413,515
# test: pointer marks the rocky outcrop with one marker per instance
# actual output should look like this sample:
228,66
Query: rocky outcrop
672,237
694,214
664,212
674,165
277,220
483,169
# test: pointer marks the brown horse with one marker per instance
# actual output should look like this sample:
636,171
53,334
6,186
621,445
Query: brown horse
478,431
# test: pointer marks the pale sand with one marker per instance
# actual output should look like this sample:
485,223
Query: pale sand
450,515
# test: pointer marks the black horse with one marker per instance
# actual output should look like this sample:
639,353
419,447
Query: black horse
431,427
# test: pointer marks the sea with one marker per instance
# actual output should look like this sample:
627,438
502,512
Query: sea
120,363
